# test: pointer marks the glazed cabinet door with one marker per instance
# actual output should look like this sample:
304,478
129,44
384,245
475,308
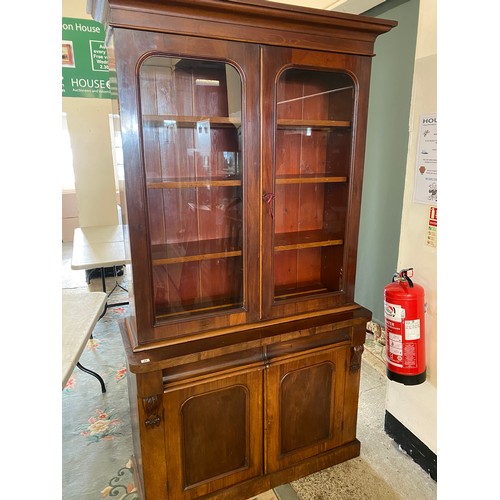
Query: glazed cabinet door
187,106
213,434
315,112
304,407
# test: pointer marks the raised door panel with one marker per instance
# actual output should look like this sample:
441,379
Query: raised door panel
189,113
304,407
213,435
314,108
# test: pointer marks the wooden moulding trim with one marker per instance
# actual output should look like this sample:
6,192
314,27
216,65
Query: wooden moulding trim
151,405
158,357
214,29
356,353
282,24
247,10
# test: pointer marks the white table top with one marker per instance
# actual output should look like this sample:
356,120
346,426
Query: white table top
80,313
98,234
97,255
98,246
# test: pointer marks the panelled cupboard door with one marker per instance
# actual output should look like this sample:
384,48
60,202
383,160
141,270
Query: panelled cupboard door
188,112
314,107
213,434
304,407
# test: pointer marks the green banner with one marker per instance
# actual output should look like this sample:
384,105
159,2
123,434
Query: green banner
85,71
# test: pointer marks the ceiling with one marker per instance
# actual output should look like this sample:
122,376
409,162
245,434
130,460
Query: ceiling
348,6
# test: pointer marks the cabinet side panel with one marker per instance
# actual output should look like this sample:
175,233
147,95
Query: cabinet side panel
151,419
136,438
352,381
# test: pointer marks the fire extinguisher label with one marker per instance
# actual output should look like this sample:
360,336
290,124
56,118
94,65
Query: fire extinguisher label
410,355
393,312
395,349
412,329
394,321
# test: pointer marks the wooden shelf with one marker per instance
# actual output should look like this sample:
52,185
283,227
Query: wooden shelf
287,292
193,183
304,239
192,251
224,181
315,124
309,179
186,121
209,307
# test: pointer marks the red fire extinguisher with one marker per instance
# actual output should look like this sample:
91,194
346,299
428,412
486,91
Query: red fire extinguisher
404,311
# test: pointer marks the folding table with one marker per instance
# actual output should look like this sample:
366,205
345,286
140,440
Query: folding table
80,312
99,247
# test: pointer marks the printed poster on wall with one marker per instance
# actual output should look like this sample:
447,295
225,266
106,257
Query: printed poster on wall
85,71
426,175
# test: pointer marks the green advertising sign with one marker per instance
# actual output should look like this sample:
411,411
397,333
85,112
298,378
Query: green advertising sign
85,71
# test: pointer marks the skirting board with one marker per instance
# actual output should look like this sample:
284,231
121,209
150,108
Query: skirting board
410,443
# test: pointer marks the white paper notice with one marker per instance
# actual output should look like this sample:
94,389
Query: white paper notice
412,329
426,175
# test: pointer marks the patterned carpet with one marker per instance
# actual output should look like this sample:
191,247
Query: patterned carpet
96,426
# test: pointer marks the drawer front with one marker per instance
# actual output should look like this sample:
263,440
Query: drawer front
317,337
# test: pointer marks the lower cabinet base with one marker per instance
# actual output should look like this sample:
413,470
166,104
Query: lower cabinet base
233,422
260,484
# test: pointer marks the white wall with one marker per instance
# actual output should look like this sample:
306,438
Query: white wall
88,126
416,406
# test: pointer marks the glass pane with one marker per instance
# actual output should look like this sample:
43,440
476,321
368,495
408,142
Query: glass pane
191,130
312,165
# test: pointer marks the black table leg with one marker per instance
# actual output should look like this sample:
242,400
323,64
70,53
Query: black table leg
103,277
97,376
117,285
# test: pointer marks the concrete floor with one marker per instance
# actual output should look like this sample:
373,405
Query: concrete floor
381,472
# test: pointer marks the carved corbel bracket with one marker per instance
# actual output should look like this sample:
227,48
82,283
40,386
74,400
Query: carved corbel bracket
356,353
151,405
